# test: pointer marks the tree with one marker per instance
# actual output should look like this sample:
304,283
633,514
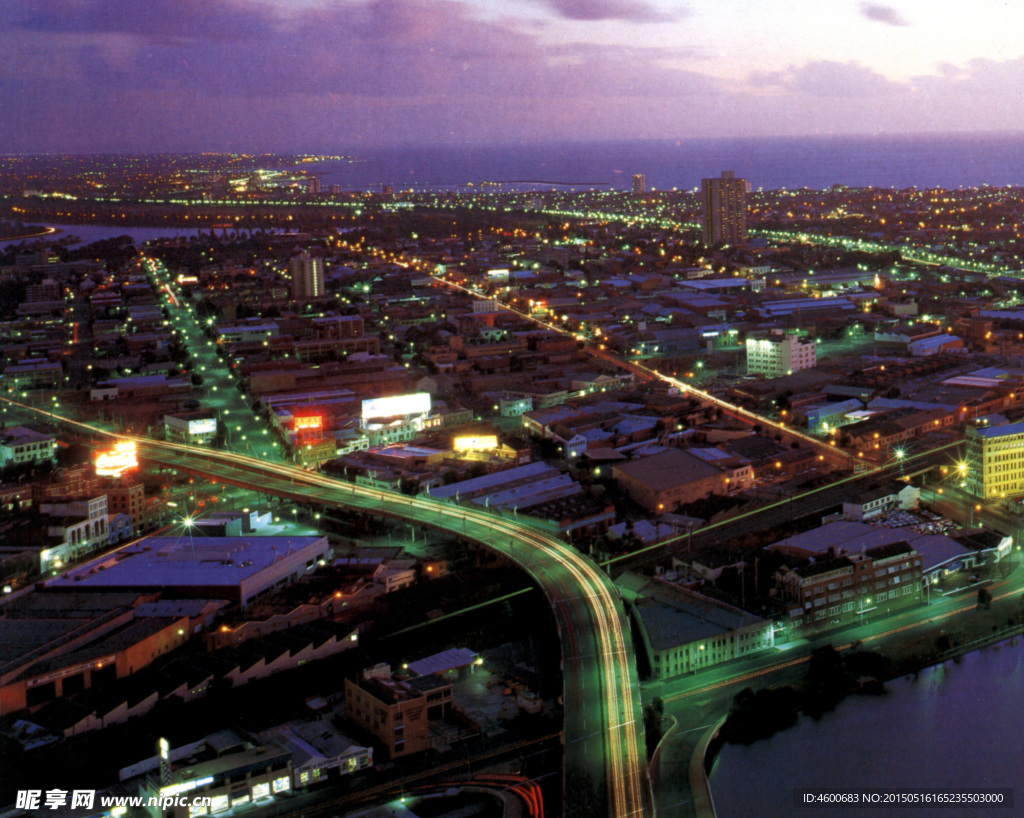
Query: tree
984,598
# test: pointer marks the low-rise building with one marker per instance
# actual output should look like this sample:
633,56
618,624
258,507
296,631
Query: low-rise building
233,568
233,772
684,631
842,587
780,354
870,503
192,428
671,478
19,445
317,749
397,712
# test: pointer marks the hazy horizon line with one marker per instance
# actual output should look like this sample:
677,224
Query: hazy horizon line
352,152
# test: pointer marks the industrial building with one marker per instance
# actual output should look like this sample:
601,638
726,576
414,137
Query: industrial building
684,631
232,568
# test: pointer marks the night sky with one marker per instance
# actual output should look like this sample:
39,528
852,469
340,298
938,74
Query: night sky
339,75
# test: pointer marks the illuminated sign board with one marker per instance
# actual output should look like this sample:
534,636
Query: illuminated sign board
417,403
203,426
309,422
117,461
186,786
476,443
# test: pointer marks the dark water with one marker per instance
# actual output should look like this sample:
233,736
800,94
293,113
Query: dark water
954,726
89,233
899,162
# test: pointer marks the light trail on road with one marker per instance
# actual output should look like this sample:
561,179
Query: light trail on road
586,603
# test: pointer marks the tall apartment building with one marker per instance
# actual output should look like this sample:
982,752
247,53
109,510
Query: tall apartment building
639,184
995,460
307,277
780,355
724,203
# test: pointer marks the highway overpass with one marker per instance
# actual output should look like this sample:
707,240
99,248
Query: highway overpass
605,769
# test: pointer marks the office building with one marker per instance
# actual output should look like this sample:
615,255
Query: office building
780,355
307,277
639,183
995,460
724,203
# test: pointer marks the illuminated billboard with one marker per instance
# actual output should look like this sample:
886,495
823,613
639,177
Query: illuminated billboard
418,403
115,462
476,443
203,426
309,422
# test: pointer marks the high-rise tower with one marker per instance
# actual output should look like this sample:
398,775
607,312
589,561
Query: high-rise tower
307,277
724,202
639,184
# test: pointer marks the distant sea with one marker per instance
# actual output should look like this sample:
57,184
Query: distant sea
771,164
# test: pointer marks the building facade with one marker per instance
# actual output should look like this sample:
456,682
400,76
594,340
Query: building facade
23,445
778,356
397,712
843,588
995,460
724,204
307,277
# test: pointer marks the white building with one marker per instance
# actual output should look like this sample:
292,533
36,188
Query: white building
780,355
78,527
20,444
193,428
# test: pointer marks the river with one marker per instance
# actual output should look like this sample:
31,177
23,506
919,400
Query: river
955,725
89,233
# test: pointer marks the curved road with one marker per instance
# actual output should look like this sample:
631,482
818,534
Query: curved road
605,763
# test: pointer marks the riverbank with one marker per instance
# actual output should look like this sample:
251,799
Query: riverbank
46,231
949,640
953,725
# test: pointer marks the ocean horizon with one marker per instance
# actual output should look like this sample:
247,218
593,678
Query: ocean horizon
815,162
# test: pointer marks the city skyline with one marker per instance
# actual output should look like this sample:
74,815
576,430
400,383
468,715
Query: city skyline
106,75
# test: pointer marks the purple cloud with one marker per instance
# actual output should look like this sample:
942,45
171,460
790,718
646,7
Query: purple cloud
156,19
632,11
882,14
826,78
120,75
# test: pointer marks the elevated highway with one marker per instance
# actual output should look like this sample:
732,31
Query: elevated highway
605,769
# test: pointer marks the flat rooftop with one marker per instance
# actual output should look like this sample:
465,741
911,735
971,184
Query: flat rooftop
156,562
671,467
854,537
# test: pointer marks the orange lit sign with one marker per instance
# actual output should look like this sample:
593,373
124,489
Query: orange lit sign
117,461
311,422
